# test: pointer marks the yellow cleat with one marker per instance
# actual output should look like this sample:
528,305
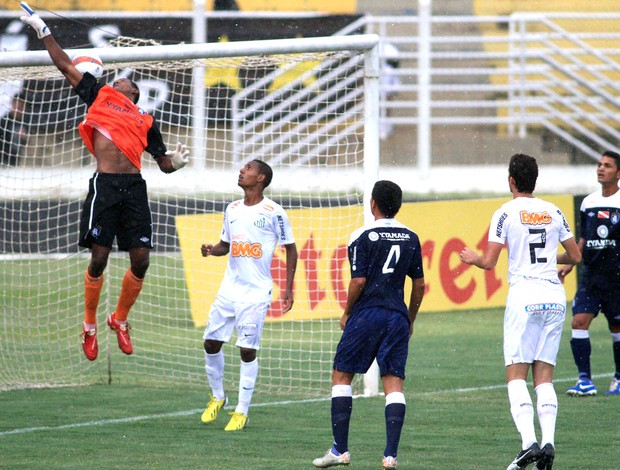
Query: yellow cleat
213,408
237,422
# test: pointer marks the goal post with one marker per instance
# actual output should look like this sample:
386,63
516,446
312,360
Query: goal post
307,106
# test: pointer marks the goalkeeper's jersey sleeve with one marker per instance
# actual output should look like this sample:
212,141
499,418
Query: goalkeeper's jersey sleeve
114,115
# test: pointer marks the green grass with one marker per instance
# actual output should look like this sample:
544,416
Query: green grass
457,418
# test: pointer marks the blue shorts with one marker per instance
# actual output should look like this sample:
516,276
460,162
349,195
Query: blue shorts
374,333
593,299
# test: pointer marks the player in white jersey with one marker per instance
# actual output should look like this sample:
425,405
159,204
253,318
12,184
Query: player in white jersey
253,227
531,229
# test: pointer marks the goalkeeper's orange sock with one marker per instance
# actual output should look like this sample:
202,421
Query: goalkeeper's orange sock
130,291
92,290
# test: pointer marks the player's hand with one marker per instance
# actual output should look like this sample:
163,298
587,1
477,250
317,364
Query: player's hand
287,301
563,271
179,157
33,20
468,256
343,320
206,249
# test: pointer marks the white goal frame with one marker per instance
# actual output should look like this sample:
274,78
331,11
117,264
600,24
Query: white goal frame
366,43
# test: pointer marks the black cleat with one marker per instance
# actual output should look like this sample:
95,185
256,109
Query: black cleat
545,461
525,457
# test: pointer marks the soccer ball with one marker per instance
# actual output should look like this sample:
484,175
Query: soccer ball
90,63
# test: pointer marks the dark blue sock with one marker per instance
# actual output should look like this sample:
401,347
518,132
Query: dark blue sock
341,416
581,353
616,345
394,419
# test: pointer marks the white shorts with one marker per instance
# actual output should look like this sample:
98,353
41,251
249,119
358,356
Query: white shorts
247,318
533,321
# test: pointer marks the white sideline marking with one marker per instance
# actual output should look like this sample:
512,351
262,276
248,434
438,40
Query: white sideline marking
134,419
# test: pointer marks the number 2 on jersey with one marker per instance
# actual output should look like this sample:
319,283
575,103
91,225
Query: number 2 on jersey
541,244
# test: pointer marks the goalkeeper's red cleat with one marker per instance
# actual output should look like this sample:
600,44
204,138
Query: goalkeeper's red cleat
122,334
89,344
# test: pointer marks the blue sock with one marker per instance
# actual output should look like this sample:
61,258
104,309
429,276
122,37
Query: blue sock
394,419
341,416
582,348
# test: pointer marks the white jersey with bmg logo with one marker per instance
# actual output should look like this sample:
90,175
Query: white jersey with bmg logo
253,233
531,228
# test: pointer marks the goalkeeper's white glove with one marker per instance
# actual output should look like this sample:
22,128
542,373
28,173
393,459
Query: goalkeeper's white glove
179,157
35,21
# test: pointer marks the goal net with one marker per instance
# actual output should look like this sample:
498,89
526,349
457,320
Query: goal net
306,107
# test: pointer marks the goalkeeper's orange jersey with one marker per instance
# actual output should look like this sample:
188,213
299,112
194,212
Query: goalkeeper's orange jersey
120,120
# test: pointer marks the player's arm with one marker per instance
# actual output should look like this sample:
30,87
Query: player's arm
572,256
220,249
488,260
356,287
60,58
574,252
415,300
291,267
168,161
174,160
566,268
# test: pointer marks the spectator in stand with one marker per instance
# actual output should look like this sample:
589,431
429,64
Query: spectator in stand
390,81
13,134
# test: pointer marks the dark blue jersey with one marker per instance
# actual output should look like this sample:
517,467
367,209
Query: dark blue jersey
384,253
600,228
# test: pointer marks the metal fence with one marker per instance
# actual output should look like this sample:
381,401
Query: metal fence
514,74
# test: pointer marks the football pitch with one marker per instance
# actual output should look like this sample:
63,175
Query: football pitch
457,417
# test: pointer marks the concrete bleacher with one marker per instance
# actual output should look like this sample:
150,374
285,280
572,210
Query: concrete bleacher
451,145
475,144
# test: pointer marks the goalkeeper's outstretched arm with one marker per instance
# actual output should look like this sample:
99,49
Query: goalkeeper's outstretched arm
173,160
60,58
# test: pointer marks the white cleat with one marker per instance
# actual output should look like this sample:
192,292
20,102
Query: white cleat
331,460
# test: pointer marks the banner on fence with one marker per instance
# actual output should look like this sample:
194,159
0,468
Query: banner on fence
322,277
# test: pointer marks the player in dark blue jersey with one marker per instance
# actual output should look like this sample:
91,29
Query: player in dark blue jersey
599,285
377,323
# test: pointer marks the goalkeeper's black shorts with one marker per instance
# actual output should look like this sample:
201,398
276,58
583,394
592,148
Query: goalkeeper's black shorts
117,206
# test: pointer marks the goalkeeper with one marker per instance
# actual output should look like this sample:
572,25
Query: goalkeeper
116,132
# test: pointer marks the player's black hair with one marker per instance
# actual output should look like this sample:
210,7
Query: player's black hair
137,96
266,170
524,170
614,155
388,196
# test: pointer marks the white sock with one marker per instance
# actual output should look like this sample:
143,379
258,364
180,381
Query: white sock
522,411
579,334
247,380
342,391
214,367
395,397
547,407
